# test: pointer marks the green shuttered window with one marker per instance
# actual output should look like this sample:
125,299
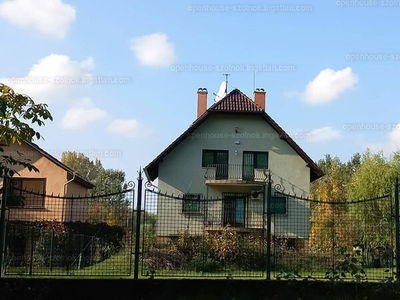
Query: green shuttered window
191,203
213,157
278,205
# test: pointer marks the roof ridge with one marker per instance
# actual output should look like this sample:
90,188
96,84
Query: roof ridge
236,101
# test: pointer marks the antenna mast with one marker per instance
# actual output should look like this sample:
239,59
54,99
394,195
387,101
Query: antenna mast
254,80
226,79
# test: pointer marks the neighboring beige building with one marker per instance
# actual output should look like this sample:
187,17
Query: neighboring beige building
227,153
53,178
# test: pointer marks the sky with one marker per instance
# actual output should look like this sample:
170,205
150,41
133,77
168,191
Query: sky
120,77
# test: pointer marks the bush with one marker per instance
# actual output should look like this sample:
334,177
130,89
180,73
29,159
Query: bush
62,244
164,259
207,264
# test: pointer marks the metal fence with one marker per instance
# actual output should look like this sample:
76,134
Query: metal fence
269,235
334,240
47,235
203,237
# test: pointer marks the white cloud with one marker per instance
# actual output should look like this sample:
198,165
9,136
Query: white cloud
82,115
55,77
328,85
128,128
153,50
324,134
389,145
51,18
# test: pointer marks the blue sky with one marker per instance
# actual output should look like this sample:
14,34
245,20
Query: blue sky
328,88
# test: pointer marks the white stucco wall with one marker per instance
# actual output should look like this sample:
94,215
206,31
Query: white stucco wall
181,172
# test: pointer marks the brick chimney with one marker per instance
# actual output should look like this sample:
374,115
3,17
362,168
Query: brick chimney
259,97
201,101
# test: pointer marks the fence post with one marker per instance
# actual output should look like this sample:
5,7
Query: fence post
51,249
396,207
269,197
3,224
137,234
31,252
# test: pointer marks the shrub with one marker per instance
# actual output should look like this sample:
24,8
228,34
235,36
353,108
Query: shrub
165,259
63,244
205,264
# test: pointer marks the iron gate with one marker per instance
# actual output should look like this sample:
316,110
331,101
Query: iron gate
190,236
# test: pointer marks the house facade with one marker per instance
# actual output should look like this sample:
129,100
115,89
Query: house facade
54,178
227,153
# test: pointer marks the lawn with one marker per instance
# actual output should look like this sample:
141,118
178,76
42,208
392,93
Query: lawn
118,266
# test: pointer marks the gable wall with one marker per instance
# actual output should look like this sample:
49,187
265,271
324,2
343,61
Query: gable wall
181,170
55,177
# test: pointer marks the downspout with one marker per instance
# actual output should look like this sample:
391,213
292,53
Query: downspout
64,195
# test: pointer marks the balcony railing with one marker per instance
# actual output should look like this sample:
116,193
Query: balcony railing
235,172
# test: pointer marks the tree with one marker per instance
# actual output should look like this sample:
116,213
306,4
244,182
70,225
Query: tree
82,165
105,180
18,116
109,208
375,176
330,188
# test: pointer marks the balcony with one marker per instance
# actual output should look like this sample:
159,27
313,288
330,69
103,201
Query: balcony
229,174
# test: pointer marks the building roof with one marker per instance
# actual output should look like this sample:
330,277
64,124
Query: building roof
235,102
70,173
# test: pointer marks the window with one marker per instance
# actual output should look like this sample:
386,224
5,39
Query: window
191,203
215,157
253,160
27,192
257,160
234,209
278,205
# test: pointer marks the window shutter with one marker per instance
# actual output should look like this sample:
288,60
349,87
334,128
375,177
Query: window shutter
262,160
208,158
278,205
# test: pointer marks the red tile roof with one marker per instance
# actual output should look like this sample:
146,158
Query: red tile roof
235,102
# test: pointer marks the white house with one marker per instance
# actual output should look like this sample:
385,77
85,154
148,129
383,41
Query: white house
227,153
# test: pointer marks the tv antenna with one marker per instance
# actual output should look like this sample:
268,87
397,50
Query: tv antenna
226,80
223,89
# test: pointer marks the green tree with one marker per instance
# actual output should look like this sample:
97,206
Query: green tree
375,176
105,180
19,115
330,188
112,208
82,165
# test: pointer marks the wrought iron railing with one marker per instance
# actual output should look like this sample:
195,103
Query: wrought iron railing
235,172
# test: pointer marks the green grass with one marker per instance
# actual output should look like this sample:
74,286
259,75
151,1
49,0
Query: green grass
117,266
